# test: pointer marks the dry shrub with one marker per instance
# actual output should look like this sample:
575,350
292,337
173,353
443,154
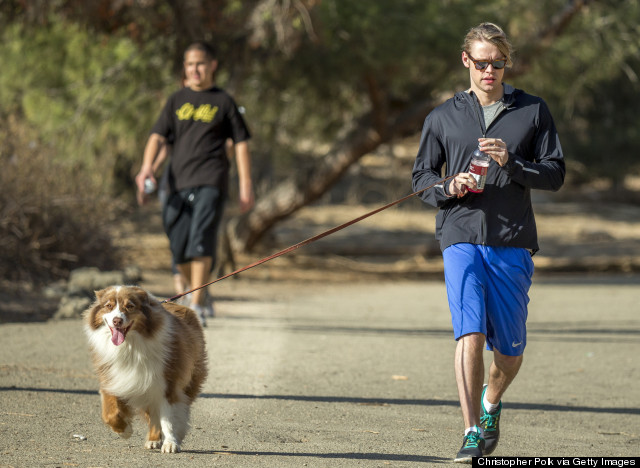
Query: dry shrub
51,219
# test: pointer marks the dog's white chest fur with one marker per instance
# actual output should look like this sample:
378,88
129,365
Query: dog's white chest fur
136,368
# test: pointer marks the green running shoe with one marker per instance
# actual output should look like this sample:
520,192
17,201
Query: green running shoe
490,423
472,446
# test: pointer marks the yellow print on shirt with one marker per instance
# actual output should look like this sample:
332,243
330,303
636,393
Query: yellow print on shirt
204,113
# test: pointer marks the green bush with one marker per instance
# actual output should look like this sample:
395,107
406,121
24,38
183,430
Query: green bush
92,97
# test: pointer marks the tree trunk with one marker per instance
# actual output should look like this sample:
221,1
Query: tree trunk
302,189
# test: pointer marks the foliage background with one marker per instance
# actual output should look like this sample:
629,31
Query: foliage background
83,82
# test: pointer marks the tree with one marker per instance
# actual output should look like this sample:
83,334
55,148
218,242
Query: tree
395,106
90,77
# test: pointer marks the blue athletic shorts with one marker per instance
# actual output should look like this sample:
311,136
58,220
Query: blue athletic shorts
488,288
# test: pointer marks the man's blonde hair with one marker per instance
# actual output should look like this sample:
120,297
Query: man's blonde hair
491,33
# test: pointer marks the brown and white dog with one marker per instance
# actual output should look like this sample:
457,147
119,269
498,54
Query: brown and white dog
150,358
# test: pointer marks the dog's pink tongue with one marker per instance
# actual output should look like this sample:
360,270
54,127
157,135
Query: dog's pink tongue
117,337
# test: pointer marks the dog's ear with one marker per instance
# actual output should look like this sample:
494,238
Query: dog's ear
141,296
99,294
146,300
91,313
146,324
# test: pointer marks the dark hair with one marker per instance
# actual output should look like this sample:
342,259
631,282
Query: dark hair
205,47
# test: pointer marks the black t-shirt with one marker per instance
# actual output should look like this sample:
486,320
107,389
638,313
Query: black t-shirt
200,123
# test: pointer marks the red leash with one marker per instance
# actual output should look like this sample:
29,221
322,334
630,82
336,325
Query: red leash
311,239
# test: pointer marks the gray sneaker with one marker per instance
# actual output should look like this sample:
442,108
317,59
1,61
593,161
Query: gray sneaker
490,423
208,308
472,447
200,312
184,300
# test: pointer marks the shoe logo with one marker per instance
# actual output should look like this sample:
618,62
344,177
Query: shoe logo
515,345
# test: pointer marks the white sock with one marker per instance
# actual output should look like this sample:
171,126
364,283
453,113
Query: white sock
489,407
473,429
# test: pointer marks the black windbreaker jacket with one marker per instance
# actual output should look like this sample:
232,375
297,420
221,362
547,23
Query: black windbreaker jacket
502,215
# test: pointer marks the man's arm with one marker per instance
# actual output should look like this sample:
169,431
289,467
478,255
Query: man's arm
547,171
243,160
151,150
427,169
161,157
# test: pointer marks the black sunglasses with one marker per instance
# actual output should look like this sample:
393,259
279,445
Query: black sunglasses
482,64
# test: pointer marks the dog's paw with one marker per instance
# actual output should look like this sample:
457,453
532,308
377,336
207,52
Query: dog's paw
128,432
153,444
170,447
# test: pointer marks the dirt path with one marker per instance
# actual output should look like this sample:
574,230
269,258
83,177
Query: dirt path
340,375
335,360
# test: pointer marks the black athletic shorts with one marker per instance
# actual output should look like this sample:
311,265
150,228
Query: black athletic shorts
191,219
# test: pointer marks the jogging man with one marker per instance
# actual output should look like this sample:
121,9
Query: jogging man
487,238
201,118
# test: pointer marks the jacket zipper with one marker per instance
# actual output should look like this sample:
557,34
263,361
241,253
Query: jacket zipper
483,129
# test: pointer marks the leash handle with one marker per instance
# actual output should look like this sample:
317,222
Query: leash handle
311,239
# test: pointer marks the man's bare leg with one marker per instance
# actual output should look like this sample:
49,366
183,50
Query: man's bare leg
502,371
198,271
469,367
180,283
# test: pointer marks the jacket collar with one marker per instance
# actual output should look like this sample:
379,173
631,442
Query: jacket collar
508,98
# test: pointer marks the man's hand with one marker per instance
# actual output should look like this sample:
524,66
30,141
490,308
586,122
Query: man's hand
496,148
144,174
246,196
154,144
460,184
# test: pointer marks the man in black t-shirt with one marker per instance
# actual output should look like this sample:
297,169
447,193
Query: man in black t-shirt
200,118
